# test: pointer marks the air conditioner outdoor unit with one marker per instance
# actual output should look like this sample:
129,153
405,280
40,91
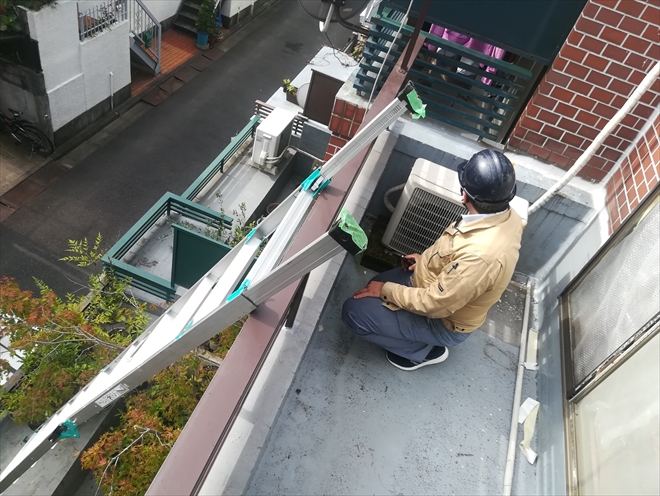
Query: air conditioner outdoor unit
429,203
271,139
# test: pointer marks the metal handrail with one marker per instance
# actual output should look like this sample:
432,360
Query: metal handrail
95,20
146,30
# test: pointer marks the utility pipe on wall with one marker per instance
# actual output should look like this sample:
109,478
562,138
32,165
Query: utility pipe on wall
595,145
513,433
112,92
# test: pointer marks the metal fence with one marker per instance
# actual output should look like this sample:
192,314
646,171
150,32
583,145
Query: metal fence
95,20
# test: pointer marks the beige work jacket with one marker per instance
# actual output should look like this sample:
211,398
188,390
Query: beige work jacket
463,274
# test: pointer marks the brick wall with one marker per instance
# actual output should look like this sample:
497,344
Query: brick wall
607,54
638,174
344,123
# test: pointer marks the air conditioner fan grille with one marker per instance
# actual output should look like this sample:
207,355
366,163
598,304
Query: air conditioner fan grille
424,219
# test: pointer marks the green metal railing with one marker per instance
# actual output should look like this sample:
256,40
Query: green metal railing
462,101
142,279
218,165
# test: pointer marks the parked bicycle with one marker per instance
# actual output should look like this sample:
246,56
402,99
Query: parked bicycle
24,132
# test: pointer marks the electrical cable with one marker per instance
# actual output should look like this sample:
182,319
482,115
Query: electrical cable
403,21
334,52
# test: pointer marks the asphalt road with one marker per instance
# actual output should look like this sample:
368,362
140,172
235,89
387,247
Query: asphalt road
164,150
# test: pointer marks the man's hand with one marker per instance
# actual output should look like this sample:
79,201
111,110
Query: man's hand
372,290
408,262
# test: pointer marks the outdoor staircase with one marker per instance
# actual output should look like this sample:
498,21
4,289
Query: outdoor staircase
187,16
145,37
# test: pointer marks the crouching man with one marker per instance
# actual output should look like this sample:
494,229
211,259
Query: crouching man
439,297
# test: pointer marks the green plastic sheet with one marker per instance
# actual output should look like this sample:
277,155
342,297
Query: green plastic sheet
70,431
417,105
348,224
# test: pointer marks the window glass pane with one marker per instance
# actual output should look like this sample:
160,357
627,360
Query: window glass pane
618,297
617,428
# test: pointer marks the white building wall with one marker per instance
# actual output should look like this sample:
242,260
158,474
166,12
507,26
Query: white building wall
232,7
76,74
163,9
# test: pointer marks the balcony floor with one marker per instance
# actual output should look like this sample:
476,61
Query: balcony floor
353,424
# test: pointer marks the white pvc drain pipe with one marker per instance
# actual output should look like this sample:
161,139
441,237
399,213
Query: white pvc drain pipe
513,433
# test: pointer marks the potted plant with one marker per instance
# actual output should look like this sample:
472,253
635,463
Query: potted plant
205,23
290,91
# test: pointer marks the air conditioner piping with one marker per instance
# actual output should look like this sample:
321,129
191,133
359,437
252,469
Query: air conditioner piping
513,433
386,200
598,141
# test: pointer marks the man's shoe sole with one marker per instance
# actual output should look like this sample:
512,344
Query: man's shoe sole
435,361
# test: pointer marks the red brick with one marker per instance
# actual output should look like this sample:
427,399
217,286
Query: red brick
592,44
548,117
524,146
555,146
544,102
653,51
513,141
354,129
598,162
561,94
359,116
598,78
573,140
574,38
612,141
337,141
334,124
609,17
634,203
643,111
596,62
587,118
639,177
626,134
590,10
327,157
532,124
613,35
631,25
580,87
572,53
631,7
339,107
345,128
610,154
616,53
649,97
559,160
604,111
583,102
557,78
552,132
636,77
602,95
559,64
573,152
588,132
642,189
535,138
568,125
588,26
349,111
636,44
532,110
537,151
565,110
577,70
651,14
638,62
651,33
632,121
623,210
596,174
621,87
617,70
649,174
619,101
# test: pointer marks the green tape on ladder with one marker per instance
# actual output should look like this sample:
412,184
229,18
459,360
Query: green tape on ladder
417,105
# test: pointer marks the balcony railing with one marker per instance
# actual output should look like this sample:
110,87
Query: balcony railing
93,21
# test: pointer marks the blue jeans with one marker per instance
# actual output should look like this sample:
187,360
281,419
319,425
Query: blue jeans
404,333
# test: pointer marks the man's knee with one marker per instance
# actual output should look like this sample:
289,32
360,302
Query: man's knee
351,315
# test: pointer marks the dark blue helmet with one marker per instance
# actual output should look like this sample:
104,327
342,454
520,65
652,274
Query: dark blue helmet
488,179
